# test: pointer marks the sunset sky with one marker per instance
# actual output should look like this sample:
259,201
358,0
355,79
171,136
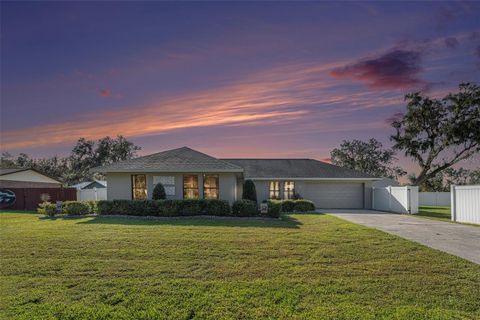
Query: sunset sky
229,79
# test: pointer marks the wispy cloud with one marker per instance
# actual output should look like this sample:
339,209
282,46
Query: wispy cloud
277,95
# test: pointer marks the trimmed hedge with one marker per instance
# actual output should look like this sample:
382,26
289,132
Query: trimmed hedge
76,208
304,206
244,208
164,208
292,205
274,208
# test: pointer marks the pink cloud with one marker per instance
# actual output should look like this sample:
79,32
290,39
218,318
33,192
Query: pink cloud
105,93
394,69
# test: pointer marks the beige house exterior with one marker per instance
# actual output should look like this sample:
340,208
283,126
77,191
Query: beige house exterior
188,174
26,178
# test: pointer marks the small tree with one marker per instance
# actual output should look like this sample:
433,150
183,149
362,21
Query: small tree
159,192
249,191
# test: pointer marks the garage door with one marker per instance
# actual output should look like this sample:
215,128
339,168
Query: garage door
335,195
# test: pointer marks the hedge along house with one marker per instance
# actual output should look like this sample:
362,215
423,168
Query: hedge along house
189,174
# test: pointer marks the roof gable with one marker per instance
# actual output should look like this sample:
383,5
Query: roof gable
177,160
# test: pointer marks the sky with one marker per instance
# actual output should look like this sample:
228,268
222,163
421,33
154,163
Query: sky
231,79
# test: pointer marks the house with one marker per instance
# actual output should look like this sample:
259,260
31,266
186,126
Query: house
26,178
91,190
87,185
188,174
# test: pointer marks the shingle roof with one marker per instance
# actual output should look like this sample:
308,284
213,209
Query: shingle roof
10,170
177,160
294,168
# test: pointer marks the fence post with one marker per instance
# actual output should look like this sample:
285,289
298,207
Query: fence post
409,201
373,198
389,198
452,204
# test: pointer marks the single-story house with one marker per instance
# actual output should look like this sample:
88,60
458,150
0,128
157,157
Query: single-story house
87,185
188,174
26,178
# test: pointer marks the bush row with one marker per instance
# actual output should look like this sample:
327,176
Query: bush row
169,208
293,205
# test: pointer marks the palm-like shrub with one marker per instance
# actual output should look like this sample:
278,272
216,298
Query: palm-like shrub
159,192
249,191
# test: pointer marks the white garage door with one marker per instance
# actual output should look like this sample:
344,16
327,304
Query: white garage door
334,195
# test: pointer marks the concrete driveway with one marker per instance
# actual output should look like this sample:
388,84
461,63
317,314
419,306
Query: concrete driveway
460,240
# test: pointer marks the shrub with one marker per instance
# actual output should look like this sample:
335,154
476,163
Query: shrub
76,208
304,206
249,191
92,204
121,206
167,208
274,208
244,208
190,207
47,208
105,207
217,207
288,206
159,192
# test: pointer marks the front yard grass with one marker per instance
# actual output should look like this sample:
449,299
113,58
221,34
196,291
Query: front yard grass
435,212
300,267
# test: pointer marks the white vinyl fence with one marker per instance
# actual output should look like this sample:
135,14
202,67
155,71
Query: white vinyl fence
92,194
441,199
395,199
465,203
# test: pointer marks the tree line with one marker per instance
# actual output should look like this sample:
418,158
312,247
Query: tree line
76,167
435,133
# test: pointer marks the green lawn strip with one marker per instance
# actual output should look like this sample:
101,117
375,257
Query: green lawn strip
435,212
300,267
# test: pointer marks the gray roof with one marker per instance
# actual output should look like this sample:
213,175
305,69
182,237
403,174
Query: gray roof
11,170
177,160
294,168
83,185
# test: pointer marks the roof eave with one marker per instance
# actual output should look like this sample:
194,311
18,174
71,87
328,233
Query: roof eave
167,171
313,179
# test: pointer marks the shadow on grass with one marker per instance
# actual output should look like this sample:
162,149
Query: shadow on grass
285,221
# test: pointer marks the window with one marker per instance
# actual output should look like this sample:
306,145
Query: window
274,190
168,183
190,187
288,189
210,186
139,187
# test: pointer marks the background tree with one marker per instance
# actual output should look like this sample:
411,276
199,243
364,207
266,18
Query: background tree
368,157
249,191
85,155
439,133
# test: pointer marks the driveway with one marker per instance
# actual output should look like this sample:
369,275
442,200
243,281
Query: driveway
460,240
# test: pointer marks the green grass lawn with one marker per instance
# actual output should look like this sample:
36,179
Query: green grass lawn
300,267
435,212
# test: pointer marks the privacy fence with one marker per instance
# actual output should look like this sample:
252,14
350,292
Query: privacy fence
396,199
92,194
29,198
465,203
434,199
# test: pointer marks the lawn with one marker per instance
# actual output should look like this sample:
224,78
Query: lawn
300,267
435,212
